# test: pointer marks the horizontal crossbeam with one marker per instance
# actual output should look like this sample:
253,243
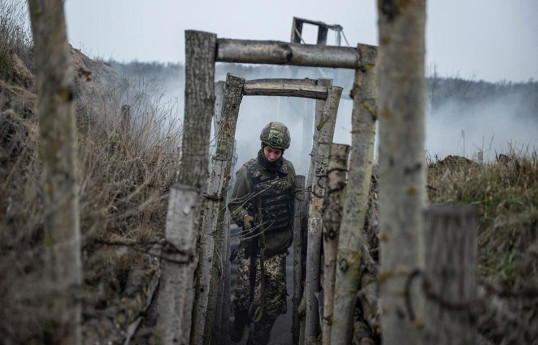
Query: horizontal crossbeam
282,53
306,88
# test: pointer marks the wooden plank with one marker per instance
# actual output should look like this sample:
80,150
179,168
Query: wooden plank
282,53
305,88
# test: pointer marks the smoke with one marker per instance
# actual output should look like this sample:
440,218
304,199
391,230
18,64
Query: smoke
490,126
467,117
296,113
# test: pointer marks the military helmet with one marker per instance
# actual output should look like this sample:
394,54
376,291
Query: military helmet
276,135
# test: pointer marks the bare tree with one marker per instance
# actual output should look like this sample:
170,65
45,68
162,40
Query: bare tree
401,166
58,152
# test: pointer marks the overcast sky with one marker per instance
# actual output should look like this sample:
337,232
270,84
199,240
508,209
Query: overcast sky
488,40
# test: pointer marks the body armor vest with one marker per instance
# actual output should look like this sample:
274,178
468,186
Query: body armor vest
275,197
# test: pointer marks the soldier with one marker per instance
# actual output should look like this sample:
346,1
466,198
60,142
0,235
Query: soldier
262,205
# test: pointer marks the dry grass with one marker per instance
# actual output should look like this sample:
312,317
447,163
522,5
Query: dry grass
124,173
14,35
506,195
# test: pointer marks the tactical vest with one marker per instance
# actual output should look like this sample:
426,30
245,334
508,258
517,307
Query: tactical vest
275,197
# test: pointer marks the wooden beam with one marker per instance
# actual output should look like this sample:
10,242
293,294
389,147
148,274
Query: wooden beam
306,88
282,53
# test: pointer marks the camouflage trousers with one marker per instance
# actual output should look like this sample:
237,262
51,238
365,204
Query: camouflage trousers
274,294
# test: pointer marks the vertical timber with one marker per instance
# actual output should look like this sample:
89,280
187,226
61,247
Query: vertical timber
325,129
297,258
200,49
402,170
224,152
355,202
176,295
332,214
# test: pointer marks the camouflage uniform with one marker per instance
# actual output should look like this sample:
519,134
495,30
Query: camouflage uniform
276,187
274,295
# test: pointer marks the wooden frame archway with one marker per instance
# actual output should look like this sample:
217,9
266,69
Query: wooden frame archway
202,51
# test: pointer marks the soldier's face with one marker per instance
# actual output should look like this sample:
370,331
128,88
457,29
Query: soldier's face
272,154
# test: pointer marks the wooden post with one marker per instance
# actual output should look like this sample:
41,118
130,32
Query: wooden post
176,295
297,248
217,107
199,97
402,167
322,35
296,30
223,318
309,293
125,118
220,252
206,246
58,152
355,202
332,212
325,130
224,152
308,128
450,274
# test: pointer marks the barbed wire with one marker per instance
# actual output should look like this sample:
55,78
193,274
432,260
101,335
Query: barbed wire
527,293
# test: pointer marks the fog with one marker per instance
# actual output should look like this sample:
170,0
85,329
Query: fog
491,125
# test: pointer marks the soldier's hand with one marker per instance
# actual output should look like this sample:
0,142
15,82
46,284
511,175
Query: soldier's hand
247,221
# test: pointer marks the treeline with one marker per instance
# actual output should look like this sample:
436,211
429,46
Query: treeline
523,96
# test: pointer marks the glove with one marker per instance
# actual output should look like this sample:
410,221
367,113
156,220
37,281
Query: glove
247,221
